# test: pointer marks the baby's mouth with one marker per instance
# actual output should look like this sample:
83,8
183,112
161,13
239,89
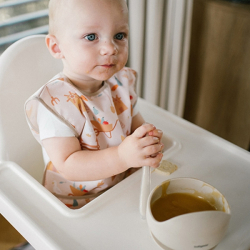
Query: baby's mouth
107,65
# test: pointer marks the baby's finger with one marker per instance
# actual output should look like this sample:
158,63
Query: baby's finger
156,132
153,149
149,140
143,130
154,162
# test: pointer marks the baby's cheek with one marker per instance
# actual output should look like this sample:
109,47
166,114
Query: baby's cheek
120,65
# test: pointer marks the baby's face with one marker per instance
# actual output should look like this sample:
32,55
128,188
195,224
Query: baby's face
94,38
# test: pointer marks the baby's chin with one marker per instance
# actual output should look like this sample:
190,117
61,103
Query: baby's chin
105,74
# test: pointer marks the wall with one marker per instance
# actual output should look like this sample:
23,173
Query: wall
218,92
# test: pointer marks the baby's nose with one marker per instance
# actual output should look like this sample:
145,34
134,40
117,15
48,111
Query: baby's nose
108,48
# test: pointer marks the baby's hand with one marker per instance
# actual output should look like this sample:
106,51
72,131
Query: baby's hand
137,148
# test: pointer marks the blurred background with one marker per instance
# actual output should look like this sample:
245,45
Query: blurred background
192,59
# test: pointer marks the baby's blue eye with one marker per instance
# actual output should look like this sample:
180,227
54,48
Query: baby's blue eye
90,37
119,36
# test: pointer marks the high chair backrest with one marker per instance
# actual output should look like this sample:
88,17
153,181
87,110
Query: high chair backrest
24,67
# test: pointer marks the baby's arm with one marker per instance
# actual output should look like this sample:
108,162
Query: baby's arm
83,165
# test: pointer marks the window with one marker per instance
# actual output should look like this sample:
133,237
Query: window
20,18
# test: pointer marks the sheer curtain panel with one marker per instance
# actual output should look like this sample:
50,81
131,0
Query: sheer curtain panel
159,50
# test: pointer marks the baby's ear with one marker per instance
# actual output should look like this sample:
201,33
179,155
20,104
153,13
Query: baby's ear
53,46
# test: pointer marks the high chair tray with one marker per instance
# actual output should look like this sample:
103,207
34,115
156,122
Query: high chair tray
113,221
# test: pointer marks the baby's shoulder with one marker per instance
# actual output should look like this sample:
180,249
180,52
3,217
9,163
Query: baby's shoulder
60,84
126,76
127,72
57,80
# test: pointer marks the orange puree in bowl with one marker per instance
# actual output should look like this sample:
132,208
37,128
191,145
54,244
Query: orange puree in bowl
171,205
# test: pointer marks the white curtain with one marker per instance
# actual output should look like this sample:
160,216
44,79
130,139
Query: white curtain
159,50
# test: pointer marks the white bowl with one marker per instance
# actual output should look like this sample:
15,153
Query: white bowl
199,230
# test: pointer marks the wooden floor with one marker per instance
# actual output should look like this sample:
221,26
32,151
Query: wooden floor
9,237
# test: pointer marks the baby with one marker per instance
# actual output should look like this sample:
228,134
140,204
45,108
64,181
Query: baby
86,117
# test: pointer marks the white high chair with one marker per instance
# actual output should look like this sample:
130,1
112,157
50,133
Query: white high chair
24,67
45,222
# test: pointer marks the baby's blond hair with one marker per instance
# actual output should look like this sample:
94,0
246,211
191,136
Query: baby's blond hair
56,13
55,8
